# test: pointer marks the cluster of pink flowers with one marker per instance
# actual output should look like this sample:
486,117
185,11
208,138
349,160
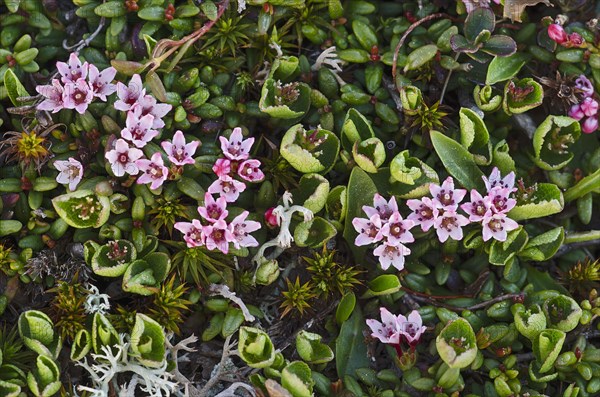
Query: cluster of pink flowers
440,211
557,33
587,109
386,226
215,232
394,330
79,84
236,162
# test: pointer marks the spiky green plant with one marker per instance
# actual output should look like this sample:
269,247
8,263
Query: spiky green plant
165,214
328,276
12,348
168,306
297,297
68,310
583,276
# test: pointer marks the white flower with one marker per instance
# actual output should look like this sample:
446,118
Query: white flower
70,172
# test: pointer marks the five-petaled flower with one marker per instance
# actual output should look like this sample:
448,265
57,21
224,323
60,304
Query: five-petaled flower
218,235
192,232
236,147
179,152
77,95
138,130
122,158
129,94
213,210
100,81
241,228
72,70
70,172
153,171
227,187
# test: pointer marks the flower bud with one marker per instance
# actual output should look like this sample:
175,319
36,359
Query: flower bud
575,112
590,125
557,33
271,218
589,107
575,39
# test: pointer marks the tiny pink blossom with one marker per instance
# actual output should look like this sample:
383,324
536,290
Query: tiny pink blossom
101,82
449,224
153,171
446,196
589,107
367,229
53,94
77,95
575,39
213,210
478,207
396,230
70,172
411,328
222,168
217,235
192,233
391,255
72,70
589,125
147,104
557,33
138,130
236,147
241,228
270,218
496,226
381,206
129,94
495,180
250,171
575,112
122,158
584,85
424,212
500,200
388,330
227,187
179,152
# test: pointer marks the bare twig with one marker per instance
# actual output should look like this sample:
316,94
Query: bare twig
219,369
85,42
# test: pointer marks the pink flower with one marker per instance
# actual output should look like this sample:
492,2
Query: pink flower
589,107
217,235
500,200
73,70
236,148
411,328
222,168
53,94
70,172
388,330
446,196
153,171
77,96
495,180
477,207
241,228
449,224
557,33
496,226
179,152
101,82
382,207
122,158
590,125
368,230
575,112
138,130
250,171
128,95
213,210
424,212
584,85
391,255
146,104
227,187
270,218
192,232
396,230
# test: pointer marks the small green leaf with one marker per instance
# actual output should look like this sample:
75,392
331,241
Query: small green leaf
551,142
478,20
543,247
546,348
345,307
386,284
314,233
361,190
546,200
504,68
296,378
350,348
458,161
255,347
456,344
14,88
420,57
311,349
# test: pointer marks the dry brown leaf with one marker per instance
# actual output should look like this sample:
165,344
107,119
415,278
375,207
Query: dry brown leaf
514,8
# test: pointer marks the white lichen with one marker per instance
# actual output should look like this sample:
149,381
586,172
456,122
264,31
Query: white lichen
224,291
329,58
95,301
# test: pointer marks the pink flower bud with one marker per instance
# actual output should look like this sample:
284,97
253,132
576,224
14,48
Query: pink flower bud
589,107
271,218
576,112
557,33
575,39
590,125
